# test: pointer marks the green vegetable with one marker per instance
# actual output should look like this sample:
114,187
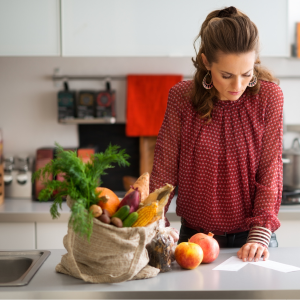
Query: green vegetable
80,182
122,212
131,219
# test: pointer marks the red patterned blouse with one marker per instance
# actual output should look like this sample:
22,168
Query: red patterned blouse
228,172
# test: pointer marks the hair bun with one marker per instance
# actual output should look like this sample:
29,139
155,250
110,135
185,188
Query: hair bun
227,12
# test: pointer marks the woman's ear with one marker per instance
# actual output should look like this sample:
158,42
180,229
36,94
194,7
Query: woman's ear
205,61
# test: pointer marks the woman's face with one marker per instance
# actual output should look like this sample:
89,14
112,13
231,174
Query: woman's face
231,74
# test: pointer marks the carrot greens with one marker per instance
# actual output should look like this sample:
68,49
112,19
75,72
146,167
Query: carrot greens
80,182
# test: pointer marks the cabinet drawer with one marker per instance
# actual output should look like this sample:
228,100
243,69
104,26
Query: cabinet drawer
17,236
50,235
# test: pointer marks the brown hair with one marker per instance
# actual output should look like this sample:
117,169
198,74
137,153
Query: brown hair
231,32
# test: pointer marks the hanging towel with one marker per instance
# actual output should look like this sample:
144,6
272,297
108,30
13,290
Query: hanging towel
147,97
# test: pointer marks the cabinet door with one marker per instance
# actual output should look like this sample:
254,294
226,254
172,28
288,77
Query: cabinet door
50,235
17,236
288,233
30,27
159,27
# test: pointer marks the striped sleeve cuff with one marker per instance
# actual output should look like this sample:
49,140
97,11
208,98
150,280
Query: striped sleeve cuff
259,235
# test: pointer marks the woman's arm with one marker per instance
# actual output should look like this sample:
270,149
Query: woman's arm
167,148
268,195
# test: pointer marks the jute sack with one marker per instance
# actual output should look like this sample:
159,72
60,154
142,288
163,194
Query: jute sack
112,254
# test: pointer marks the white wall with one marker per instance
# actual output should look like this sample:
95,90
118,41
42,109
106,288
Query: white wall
28,105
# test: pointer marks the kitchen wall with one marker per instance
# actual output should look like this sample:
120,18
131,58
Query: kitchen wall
28,105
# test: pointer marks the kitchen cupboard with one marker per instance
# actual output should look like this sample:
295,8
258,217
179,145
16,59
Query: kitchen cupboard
288,233
50,235
160,28
29,28
17,236
129,28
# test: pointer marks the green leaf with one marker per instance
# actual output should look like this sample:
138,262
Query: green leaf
80,182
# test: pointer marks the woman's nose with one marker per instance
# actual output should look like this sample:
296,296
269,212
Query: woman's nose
237,84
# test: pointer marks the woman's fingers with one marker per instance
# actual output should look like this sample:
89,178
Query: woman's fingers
245,252
266,253
239,253
253,252
259,252
249,250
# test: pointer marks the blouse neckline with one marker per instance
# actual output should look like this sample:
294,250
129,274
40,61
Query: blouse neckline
231,103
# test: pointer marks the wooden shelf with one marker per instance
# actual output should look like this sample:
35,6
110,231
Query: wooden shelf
293,128
110,120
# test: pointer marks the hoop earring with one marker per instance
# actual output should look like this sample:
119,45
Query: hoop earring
253,82
206,85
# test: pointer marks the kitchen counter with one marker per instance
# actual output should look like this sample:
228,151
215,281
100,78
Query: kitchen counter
28,210
251,282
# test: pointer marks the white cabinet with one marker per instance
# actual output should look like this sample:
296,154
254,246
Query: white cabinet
17,236
50,235
160,27
288,234
128,28
29,28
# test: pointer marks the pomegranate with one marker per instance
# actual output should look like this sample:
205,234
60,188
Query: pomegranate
208,244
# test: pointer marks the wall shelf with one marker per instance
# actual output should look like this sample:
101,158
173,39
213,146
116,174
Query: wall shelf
110,120
98,78
293,128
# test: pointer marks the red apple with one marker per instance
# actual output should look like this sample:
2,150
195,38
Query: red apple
188,255
208,244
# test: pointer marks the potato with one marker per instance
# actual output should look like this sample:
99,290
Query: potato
117,222
106,212
104,218
96,210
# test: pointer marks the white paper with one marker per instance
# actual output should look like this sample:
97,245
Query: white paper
275,266
231,264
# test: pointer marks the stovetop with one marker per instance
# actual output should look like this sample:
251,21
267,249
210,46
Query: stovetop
290,197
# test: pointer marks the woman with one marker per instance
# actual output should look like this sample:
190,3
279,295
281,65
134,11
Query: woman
221,141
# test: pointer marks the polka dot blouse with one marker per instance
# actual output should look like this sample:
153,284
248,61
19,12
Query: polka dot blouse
228,172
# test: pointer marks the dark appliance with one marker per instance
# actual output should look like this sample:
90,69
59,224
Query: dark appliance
85,105
105,103
290,197
291,174
66,103
100,136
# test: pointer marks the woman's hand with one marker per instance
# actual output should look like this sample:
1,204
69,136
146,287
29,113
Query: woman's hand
174,234
253,252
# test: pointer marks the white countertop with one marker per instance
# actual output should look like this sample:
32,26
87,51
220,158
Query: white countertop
28,210
251,282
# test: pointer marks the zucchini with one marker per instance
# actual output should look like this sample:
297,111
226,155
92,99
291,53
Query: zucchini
131,219
122,212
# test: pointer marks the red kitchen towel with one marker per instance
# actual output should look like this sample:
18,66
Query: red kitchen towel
147,97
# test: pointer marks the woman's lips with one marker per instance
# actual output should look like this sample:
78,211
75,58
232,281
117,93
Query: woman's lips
234,93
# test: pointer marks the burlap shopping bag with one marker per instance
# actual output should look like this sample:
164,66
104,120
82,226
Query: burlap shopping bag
112,254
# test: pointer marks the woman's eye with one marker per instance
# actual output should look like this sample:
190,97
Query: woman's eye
227,77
